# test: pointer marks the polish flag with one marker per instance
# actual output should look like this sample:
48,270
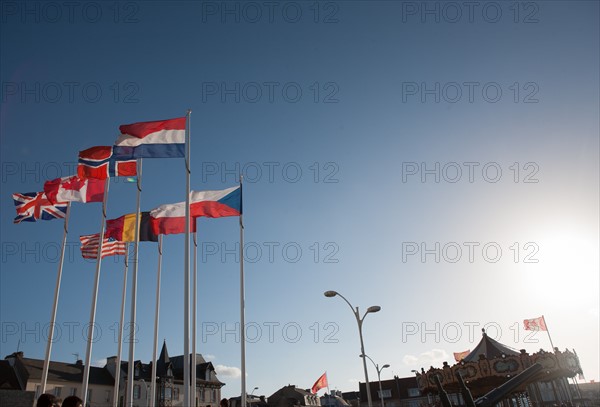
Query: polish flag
74,189
170,218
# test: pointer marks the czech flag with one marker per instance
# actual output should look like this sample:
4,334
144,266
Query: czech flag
170,218
158,139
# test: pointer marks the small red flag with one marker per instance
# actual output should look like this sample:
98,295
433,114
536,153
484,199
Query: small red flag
458,356
535,324
320,383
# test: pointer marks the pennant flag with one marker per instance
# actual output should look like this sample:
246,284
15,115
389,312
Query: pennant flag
100,163
535,324
123,228
321,383
159,139
74,189
110,247
170,218
458,356
32,206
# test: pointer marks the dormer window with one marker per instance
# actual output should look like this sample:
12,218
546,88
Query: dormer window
137,371
169,372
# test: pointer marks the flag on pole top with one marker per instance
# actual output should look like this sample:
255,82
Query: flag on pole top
100,163
32,206
110,247
535,324
170,218
321,383
157,139
74,189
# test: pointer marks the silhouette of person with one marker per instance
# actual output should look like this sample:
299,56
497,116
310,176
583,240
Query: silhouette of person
72,401
48,400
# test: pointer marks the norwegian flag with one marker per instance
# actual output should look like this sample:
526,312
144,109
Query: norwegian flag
100,163
110,247
535,324
32,206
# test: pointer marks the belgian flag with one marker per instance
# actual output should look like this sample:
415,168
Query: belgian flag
123,228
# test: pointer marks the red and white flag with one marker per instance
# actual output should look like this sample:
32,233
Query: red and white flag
110,247
321,383
170,218
535,324
74,189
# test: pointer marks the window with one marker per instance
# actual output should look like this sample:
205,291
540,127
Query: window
413,392
213,396
57,391
89,396
73,391
107,396
176,393
38,388
385,394
137,371
136,391
168,393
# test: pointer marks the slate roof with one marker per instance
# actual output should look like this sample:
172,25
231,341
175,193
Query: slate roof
64,372
490,348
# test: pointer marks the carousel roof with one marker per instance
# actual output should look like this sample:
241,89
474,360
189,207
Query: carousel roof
490,348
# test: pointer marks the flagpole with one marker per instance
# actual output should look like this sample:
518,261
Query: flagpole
186,270
136,244
195,305
156,313
242,304
547,330
55,306
121,323
88,353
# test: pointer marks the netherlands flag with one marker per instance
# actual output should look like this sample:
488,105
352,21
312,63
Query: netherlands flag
170,218
158,139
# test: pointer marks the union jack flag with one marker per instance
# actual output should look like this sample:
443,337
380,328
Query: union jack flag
32,206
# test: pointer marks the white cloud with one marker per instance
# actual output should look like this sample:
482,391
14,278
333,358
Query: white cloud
432,357
228,371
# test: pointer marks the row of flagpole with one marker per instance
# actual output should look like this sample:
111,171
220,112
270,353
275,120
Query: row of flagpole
189,396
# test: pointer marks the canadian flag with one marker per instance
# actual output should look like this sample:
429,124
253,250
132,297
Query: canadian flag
535,324
74,189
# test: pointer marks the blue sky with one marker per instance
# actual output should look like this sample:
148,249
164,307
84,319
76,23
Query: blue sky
380,141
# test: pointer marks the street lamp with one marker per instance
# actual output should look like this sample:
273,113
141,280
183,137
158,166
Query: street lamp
378,375
359,321
252,392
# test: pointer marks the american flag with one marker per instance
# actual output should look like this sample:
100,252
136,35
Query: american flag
32,206
110,246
